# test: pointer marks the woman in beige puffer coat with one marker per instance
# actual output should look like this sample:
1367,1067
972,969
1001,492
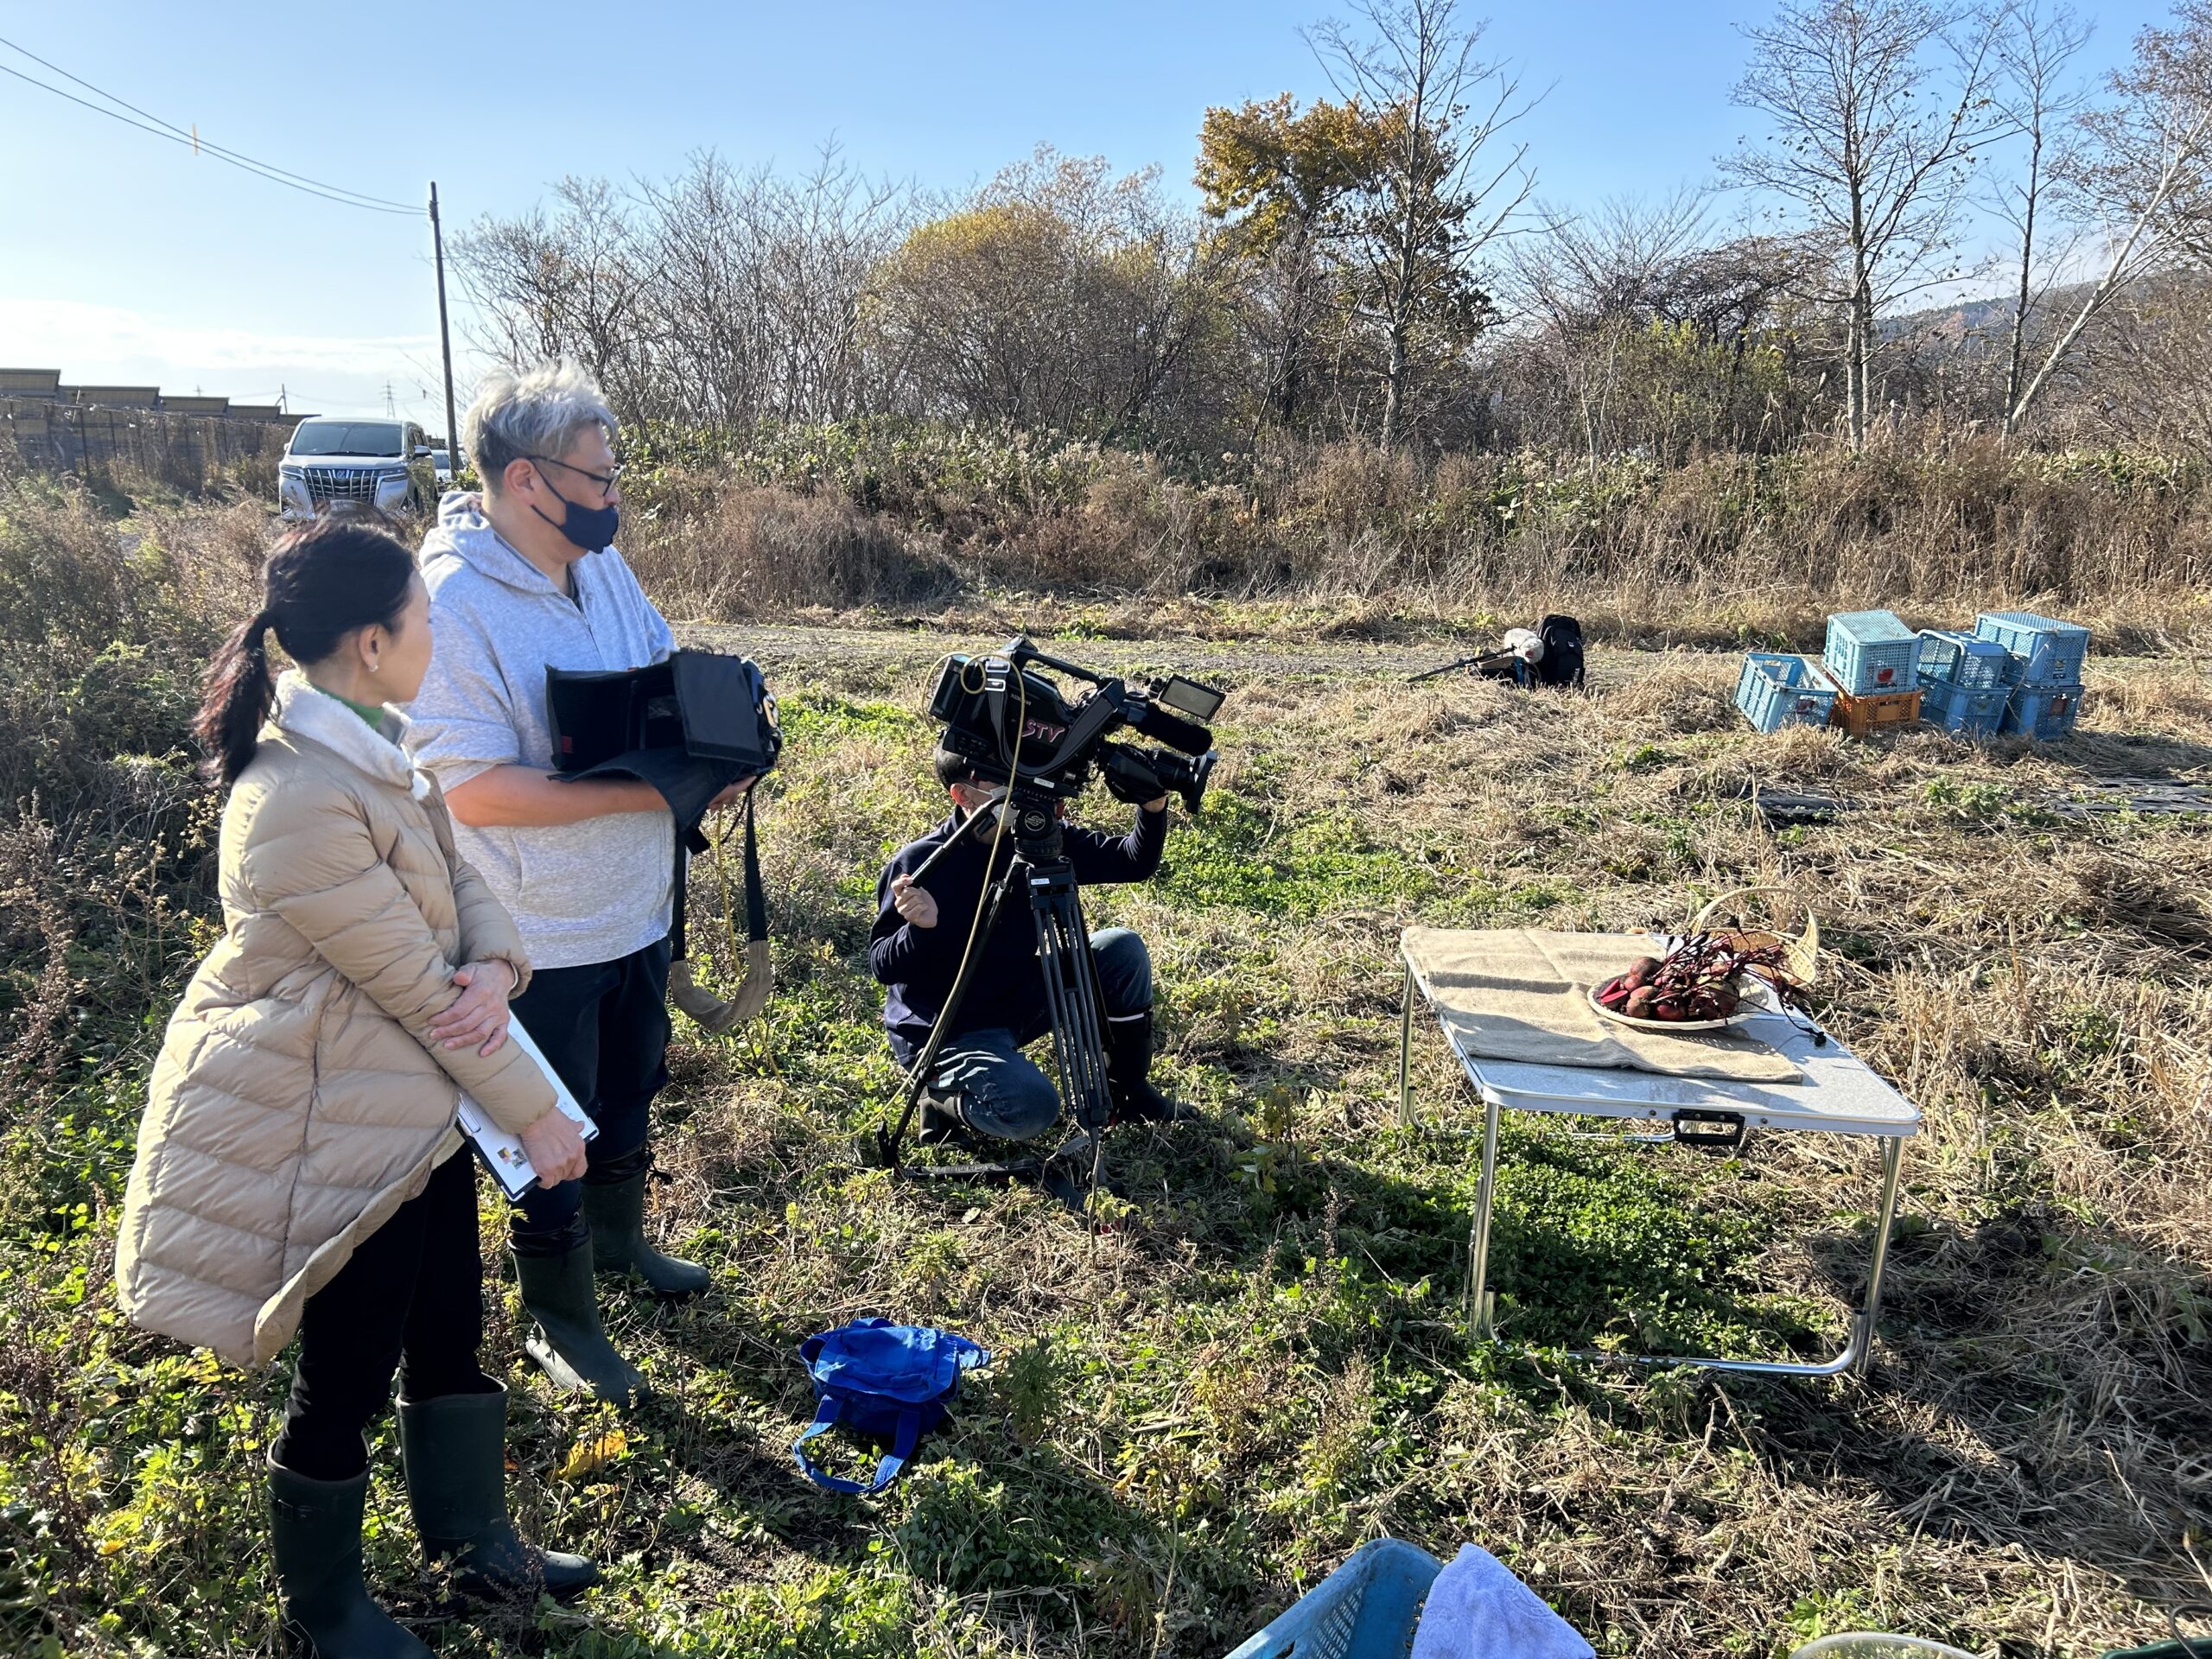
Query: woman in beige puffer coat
298,1165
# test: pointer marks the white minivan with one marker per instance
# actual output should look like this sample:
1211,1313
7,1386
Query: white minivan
345,464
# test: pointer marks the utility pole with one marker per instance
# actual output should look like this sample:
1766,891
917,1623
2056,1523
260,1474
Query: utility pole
445,334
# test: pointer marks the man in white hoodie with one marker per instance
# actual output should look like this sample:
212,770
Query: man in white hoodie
525,577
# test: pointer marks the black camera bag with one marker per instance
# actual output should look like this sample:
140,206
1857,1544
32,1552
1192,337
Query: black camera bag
1562,662
690,726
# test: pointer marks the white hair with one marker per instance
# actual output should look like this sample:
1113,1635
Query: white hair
540,412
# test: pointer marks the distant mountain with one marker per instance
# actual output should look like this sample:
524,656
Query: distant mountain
1976,325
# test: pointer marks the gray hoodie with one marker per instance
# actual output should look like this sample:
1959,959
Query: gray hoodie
580,893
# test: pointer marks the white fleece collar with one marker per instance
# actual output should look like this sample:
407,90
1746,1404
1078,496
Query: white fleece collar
465,530
304,710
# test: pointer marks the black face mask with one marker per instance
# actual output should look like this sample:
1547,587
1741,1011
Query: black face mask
593,529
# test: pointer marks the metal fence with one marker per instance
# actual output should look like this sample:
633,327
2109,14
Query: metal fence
187,452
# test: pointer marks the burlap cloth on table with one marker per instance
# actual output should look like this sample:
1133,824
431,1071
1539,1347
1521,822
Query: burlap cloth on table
1516,994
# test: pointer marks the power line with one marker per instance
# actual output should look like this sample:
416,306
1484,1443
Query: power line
176,134
343,201
199,144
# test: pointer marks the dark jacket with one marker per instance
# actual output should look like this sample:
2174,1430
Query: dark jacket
1006,989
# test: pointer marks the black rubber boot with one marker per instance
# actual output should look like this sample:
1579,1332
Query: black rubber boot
938,1123
1129,1074
570,1343
456,1448
614,1208
315,1535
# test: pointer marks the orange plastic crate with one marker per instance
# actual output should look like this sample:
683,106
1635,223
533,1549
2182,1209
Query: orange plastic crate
1884,711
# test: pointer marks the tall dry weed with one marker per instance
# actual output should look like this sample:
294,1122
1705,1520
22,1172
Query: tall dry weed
1724,546
738,550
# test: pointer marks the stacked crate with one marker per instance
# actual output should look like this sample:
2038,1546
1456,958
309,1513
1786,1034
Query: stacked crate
1962,687
1775,690
2044,658
1873,660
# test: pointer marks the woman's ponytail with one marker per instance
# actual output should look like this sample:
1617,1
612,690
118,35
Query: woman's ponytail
323,581
240,692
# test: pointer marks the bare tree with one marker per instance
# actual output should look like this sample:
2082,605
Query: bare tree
1446,182
2145,370
2037,43
571,285
1655,336
1592,282
712,298
1862,148
2147,167
759,286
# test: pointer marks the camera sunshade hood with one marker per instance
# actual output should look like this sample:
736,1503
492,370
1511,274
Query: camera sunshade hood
690,726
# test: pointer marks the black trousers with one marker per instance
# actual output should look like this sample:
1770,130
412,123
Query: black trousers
604,1027
409,1301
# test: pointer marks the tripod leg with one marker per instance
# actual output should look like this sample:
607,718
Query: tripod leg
1075,1003
1072,998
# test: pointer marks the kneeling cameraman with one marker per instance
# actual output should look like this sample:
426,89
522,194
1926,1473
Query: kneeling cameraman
981,1076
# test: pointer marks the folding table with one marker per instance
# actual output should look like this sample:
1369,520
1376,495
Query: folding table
1840,1094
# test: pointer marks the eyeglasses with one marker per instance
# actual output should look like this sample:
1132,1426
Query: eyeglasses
605,480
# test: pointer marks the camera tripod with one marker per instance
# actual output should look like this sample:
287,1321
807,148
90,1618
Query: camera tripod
1073,999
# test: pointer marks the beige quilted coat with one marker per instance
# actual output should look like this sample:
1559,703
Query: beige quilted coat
296,1105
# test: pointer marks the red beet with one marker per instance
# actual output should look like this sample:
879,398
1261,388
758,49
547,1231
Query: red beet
1614,993
1644,967
1641,1001
1668,1009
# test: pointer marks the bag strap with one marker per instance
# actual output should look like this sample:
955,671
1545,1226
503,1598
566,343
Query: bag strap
684,848
886,1471
756,894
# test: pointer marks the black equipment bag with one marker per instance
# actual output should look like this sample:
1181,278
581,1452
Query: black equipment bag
1562,663
690,726
703,704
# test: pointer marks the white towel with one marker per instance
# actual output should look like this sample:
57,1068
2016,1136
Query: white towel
1478,1609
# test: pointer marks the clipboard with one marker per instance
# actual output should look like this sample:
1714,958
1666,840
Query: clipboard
503,1153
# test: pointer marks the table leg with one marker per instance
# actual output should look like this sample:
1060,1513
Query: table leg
1478,1319
1405,1054
1892,1163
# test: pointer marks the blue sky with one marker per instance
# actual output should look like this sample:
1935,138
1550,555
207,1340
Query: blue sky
124,258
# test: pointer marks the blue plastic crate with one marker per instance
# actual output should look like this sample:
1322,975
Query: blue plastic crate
1951,658
1369,1608
2042,651
1870,653
1775,689
1973,710
2043,712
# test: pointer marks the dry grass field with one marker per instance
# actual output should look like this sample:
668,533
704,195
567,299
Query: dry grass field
1198,1410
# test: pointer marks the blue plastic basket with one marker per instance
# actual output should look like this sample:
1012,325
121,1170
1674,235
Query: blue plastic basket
1870,652
1369,1608
1973,710
2042,651
1949,659
2043,712
1775,689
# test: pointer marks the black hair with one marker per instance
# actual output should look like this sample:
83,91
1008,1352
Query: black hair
953,768
321,583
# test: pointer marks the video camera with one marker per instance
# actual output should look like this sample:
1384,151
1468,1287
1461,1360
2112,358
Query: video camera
1045,747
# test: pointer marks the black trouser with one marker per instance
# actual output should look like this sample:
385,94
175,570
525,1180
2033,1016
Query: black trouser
605,1028
410,1299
